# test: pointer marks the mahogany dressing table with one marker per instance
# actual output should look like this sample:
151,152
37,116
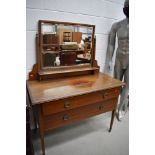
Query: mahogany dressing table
68,93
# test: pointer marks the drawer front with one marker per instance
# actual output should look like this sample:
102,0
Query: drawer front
110,93
71,103
74,115
78,101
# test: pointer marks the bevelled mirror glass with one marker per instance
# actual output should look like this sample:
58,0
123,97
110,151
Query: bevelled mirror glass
63,45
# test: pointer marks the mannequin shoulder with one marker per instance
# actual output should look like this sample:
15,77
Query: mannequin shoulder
117,25
122,22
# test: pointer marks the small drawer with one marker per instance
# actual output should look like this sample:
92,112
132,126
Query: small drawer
74,115
71,103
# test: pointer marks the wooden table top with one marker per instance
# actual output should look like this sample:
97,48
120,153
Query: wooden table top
54,89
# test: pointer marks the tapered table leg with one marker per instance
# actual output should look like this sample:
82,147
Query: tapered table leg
42,143
41,130
112,119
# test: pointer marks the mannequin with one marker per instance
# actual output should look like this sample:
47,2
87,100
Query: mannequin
121,68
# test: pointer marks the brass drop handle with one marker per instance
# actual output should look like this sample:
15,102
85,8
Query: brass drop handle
105,94
66,104
100,107
65,117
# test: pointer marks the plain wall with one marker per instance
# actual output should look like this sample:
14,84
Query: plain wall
102,13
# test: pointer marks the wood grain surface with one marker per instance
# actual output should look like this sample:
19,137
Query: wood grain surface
55,89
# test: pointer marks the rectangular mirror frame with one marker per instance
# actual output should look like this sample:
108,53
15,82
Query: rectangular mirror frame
63,71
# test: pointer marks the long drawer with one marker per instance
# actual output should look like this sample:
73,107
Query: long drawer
70,116
79,101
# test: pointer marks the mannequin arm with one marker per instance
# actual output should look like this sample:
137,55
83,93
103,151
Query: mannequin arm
111,44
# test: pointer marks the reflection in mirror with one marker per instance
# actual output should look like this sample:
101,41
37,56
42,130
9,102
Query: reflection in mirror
66,45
